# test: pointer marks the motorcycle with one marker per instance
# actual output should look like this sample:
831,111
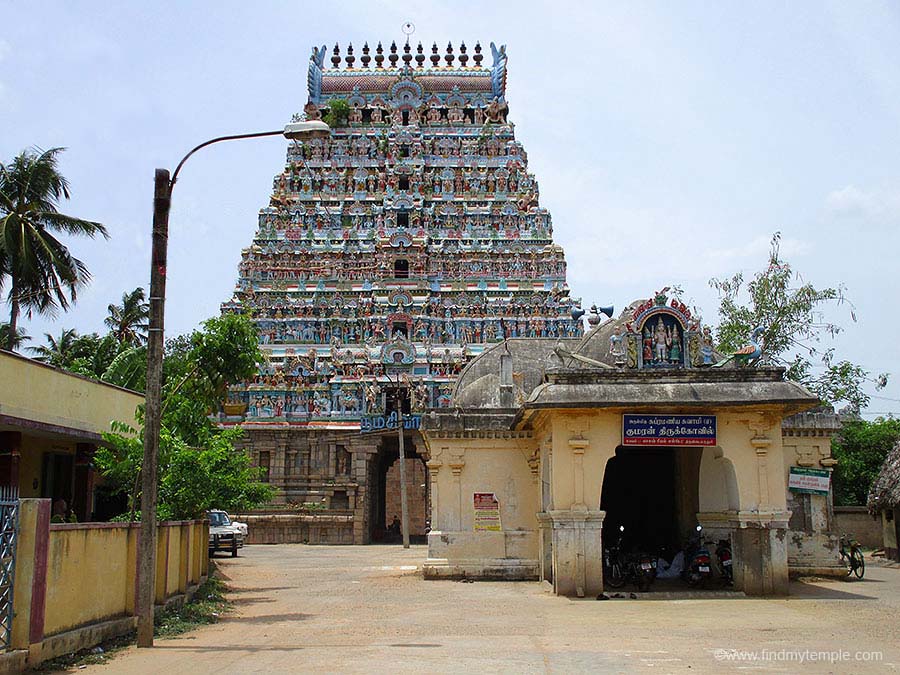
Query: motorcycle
620,568
698,562
723,555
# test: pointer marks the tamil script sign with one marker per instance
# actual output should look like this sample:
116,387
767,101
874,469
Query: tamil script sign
668,430
810,481
371,423
487,512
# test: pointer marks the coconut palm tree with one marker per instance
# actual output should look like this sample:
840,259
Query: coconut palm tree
18,339
59,351
43,275
128,322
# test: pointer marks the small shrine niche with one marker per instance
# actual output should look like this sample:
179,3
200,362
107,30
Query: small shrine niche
661,334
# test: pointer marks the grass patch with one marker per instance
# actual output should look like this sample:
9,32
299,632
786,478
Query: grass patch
206,607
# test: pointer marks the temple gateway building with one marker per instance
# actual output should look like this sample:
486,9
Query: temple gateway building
389,255
404,273
640,424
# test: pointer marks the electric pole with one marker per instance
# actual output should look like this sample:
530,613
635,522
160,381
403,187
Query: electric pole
404,508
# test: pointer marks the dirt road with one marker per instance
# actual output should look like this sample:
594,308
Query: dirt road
367,609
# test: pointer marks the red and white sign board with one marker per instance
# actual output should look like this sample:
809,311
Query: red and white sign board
487,512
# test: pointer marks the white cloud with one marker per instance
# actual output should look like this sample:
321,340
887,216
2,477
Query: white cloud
755,250
876,205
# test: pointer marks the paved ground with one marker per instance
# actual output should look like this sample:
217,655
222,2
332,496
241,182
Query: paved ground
367,609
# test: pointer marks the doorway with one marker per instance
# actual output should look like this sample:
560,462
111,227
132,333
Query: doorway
384,481
653,492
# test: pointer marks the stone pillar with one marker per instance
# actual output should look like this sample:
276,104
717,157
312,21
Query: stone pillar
578,445
434,466
577,558
276,476
760,557
456,464
759,547
361,458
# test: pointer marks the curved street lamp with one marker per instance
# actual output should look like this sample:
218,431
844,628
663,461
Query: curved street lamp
162,199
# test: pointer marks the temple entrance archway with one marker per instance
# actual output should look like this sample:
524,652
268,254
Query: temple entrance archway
654,492
384,482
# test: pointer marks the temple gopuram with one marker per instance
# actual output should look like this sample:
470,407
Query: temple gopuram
389,256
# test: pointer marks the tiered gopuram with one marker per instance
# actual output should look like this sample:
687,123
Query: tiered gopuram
388,256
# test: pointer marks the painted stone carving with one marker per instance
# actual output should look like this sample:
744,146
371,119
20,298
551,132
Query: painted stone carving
404,244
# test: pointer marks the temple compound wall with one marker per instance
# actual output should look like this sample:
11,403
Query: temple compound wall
551,436
389,255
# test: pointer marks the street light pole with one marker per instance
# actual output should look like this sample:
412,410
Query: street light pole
162,200
404,504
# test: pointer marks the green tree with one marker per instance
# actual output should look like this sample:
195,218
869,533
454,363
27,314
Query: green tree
59,351
43,275
10,341
860,449
128,322
89,355
93,355
790,312
213,476
199,466
128,369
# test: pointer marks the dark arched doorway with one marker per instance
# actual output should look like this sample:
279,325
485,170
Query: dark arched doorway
384,482
653,492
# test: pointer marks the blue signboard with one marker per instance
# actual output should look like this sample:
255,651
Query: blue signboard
372,423
668,430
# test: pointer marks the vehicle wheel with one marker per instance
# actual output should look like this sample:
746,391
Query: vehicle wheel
859,563
614,576
846,562
234,548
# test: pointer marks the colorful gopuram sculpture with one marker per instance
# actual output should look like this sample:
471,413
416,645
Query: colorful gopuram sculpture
400,247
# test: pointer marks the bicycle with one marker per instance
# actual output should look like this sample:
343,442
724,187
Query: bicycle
853,558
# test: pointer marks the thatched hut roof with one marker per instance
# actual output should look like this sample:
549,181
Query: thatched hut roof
885,492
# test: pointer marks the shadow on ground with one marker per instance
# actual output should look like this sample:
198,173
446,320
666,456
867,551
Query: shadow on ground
269,618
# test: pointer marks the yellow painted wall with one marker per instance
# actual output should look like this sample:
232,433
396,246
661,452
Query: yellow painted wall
488,465
87,575
91,570
173,572
40,393
32,458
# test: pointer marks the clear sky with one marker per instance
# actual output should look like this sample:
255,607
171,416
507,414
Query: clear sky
670,139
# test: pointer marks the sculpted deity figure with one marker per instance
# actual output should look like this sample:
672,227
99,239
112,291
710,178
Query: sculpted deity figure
617,346
675,346
661,340
372,394
312,111
706,347
496,112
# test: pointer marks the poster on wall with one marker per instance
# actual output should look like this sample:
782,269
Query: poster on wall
809,481
487,512
681,430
